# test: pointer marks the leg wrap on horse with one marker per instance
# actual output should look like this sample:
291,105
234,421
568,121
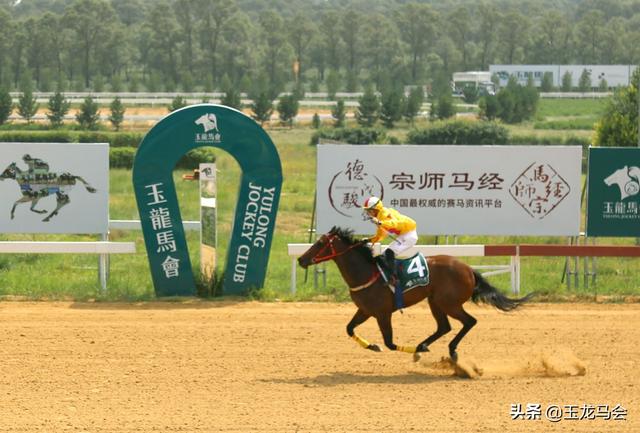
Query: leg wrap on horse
361,341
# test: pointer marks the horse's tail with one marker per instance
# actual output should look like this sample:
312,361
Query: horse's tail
488,294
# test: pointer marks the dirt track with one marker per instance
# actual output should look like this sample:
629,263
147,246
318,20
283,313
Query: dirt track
207,367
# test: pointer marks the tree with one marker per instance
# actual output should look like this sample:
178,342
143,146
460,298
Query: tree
27,106
413,104
90,20
444,108
460,29
603,86
117,113
618,126
470,94
301,31
517,103
232,98
315,121
489,107
418,29
391,107
177,103
215,15
547,82
288,109
88,116
333,82
584,83
58,107
262,107
368,108
567,82
6,105
338,113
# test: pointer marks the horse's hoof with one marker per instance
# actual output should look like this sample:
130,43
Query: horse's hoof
374,347
454,357
422,348
417,356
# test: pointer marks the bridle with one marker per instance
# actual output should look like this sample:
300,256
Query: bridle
334,253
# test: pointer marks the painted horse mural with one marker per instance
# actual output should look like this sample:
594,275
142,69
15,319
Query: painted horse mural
37,182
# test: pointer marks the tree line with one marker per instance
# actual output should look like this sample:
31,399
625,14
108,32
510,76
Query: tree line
188,45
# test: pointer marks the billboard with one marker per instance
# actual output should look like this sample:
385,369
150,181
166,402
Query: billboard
614,75
54,188
466,190
613,193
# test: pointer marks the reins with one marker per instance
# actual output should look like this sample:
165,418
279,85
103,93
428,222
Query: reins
333,254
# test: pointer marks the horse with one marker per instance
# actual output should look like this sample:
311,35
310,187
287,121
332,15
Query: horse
452,284
37,183
627,179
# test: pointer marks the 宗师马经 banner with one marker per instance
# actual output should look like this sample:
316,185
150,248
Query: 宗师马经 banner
474,190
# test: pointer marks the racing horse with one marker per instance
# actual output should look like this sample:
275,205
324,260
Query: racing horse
452,284
37,183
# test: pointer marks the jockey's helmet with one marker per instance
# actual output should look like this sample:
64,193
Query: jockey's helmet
372,204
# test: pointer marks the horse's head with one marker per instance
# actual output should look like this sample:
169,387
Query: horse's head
10,172
331,245
619,176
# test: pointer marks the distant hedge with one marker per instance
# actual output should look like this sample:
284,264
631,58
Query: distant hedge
460,132
350,135
115,139
122,157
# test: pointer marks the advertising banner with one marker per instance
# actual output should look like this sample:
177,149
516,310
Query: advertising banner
54,188
465,190
613,192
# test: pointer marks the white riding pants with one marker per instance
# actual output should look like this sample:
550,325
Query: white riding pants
404,242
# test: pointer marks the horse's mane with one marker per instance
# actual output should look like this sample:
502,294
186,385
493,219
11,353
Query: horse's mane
347,236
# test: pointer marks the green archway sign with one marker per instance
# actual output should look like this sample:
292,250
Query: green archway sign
257,205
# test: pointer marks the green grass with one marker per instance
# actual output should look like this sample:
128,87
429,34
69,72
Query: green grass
75,276
552,108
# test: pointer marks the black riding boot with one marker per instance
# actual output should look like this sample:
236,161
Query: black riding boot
390,259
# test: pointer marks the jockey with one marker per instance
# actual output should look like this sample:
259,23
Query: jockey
391,221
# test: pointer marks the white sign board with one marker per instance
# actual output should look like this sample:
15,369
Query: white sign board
54,188
466,190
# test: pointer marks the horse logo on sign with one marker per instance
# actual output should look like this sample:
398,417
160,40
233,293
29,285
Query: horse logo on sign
211,133
38,182
627,179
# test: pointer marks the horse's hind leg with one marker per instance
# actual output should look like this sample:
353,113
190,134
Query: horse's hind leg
443,327
359,318
62,200
468,322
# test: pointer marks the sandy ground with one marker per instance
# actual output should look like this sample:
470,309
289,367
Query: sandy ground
214,366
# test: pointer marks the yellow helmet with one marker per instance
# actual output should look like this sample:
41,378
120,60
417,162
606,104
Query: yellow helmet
372,203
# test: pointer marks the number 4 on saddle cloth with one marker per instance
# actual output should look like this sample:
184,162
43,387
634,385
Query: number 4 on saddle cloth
411,272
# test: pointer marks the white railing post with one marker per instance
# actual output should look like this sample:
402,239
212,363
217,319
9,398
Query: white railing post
293,275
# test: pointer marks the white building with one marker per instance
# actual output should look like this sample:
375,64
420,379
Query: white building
615,75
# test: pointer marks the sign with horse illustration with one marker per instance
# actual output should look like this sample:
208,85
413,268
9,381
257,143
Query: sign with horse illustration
613,192
54,188
465,190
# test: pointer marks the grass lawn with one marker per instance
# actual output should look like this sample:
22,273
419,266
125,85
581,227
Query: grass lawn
69,276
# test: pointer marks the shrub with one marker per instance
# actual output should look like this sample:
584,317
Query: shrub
6,105
88,116
193,158
121,157
460,132
350,135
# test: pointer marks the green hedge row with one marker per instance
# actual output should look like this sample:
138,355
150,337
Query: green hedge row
460,132
122,157
350,135
115,139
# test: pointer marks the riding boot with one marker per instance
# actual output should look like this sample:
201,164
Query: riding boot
390,259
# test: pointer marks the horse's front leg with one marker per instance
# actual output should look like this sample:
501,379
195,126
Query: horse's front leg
25,199
359,318
384,323
33,205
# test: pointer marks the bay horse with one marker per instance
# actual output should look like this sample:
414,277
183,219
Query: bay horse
452,284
